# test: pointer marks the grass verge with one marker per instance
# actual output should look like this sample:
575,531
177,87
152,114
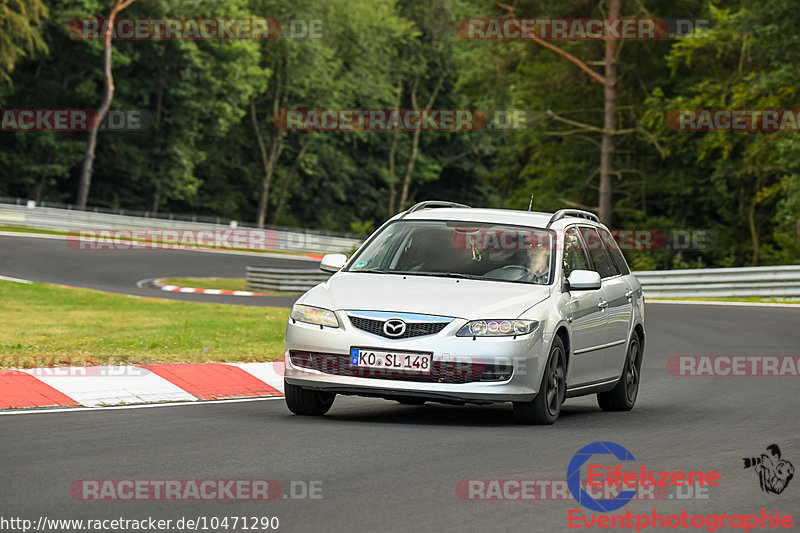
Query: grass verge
41,321
23,229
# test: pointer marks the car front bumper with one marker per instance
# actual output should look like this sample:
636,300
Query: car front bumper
465,369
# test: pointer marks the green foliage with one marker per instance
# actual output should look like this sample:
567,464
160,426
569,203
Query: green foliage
744,180
199,153
20,35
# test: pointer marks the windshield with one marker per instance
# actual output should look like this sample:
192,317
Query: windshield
460,249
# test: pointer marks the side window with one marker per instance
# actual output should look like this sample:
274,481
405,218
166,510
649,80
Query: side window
600,258
574,254
616,253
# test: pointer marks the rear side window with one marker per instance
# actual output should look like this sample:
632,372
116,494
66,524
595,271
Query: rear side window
600,258
616,253
574,254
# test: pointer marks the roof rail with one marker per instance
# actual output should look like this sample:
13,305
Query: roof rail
563,213
430,204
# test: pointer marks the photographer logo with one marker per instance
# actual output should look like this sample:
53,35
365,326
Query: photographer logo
774,473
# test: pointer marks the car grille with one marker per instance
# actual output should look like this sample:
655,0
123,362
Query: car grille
441,371
413,329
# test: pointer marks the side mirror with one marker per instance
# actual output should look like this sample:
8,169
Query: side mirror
332,262
584,280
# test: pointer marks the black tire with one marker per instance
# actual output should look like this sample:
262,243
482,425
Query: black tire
307,402
623,396
545,408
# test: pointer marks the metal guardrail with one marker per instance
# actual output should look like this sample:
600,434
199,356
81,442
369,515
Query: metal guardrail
769,281
67,220
284,279
773,281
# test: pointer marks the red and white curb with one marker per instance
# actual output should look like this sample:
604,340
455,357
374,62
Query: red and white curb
190,290
97,386
156,283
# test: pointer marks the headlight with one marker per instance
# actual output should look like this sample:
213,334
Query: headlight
497,328
314,315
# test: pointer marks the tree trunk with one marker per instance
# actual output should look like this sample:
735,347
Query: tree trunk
609,123
393,152
267,161
154,204
88,156
412,159
156,172
289,177
392,188
751,222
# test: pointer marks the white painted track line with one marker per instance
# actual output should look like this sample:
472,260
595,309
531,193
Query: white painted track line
732,304
127,407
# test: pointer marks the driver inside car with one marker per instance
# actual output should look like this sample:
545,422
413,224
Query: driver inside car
538,262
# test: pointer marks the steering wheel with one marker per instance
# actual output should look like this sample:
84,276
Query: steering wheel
521,267
520,271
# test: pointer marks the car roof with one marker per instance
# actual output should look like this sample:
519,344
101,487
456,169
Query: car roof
497,216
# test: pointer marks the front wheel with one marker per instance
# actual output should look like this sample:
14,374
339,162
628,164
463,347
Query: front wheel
545,408
623,396
307,402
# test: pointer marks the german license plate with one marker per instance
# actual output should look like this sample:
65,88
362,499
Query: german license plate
419,363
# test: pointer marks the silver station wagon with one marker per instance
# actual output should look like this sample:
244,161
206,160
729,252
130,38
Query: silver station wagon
452,304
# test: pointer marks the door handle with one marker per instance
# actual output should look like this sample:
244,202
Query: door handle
603,304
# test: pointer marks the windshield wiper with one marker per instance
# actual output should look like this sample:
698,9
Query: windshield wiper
417,273
372,271
458,275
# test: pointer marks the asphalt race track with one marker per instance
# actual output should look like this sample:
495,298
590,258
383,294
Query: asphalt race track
52,261
386,467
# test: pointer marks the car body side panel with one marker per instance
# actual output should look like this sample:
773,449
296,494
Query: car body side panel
618,325
588,337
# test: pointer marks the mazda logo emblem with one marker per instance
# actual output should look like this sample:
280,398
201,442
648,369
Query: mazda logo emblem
394,327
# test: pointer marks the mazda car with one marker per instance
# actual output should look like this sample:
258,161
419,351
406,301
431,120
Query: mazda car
453,304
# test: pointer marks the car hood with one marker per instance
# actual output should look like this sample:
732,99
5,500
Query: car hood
460,298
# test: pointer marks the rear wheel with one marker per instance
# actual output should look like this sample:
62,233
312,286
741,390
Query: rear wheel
623,396
545,408
301,401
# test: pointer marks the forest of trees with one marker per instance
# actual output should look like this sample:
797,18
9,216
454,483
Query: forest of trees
211,147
